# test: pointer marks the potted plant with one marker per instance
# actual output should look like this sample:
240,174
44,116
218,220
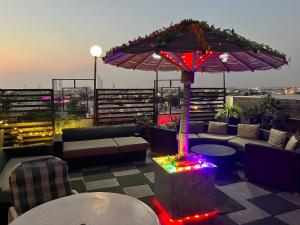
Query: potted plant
268,112
229,114
143,123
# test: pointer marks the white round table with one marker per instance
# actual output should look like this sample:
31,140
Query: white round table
97,208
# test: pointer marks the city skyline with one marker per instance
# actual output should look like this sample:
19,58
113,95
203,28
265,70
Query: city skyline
45,40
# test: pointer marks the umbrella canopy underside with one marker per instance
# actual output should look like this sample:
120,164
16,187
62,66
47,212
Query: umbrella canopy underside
237,61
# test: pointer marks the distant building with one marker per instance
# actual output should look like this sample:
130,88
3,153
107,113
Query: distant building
114,86
289,91
99,82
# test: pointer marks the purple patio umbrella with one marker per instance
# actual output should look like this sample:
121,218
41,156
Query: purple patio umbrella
193,46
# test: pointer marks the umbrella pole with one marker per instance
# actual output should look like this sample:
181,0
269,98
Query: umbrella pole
187,78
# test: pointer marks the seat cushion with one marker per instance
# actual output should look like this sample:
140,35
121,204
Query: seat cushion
217,137
239,143
249,131
217,128
77,149
131,144
5,196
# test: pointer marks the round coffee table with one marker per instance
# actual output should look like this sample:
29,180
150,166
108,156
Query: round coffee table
96,208
221,155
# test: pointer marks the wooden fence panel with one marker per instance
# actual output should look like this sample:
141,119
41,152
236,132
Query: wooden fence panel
27,116
117,106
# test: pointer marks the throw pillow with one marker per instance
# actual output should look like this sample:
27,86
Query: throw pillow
196,127
217,128
292,143
277,138
250,131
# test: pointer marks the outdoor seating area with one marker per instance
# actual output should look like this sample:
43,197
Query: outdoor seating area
153,151
251,185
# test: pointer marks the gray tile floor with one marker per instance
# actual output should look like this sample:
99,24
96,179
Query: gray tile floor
238,201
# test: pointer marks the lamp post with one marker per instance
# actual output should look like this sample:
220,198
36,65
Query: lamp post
224,58
96,52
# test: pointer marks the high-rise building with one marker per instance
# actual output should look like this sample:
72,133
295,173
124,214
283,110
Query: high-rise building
99,82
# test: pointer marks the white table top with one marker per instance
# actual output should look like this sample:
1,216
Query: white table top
97,208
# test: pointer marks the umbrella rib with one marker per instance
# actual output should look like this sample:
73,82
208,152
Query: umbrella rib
181,61
124,61
109,61
264,61
242,61
159,64
142,61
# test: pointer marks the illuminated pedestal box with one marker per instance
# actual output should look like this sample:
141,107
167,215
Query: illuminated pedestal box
185,191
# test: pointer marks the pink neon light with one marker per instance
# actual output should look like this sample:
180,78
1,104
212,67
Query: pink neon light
166,219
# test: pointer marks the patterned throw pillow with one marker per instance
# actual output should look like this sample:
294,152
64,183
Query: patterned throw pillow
250,131
34,183
277,138
292,143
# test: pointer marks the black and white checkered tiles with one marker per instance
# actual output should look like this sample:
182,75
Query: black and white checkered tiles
238,201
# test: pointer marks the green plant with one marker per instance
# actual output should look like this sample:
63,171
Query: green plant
174,122
267,111
69,121
143,121
229,112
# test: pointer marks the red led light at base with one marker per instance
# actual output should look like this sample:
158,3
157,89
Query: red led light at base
166,219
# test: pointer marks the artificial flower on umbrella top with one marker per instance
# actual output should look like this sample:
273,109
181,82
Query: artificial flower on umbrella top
193,46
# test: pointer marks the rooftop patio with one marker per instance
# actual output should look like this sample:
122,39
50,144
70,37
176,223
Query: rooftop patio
216,163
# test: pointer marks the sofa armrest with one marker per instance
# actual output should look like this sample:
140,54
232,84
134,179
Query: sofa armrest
58,145
273,166
163,140
28,150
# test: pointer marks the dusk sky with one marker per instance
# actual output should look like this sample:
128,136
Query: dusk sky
41,40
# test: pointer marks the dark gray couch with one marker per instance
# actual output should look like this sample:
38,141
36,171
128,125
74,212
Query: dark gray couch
98,141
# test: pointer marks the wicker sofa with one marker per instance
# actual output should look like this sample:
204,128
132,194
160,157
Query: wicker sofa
77,143
272,166
198,134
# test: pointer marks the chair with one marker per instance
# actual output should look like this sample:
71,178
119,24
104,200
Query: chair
36,182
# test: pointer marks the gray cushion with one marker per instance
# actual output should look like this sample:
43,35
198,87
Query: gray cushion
217,128
131,144
249,131
5,196
216,137
196,127
239,143
77,149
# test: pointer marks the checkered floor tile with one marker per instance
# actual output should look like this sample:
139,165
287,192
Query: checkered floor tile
237,201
